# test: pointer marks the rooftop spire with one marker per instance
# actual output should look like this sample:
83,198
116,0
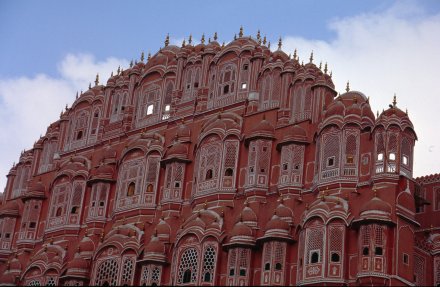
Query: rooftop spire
394,101
131,63
241,32
167,40
90,86
97,79
203,39
320,65
119,69
190,39
347,88
264,40
325,68
280,44
149,56
295,54
258,35
311,57
142,56
235,36
183,43
215,36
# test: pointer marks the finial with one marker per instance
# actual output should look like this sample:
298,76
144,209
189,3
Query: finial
167,40
355,100
241,32
223,44
183,43
377,114
142,56
320,65
215,36
90,85
97,78
394,100
76,97
203,39
406,111
235,36
205,205
190,39
119,70
280,43
375,192
135,62
264,40
302,63
311,57
295,54
325,68
258,35
331,74
268,45
368,99
149,56
347,88
131,63
209,40
111,75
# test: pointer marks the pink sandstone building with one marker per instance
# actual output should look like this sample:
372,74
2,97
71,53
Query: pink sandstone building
216,164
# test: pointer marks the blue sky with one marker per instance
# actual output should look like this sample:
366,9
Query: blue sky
51,49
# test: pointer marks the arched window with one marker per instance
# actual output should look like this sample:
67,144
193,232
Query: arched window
314,258
59,211
187,271
208,174
187,276
131,189
150,188
229,172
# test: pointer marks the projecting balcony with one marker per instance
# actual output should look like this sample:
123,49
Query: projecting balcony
327,174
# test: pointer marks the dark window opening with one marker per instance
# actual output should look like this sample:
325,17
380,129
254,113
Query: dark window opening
335,257
188,86
207,277
101,203
378,251
231,272
278,266
226,89
150,188
32,224
314,257
405,258
177,184
105,284
267,266
251,169
196,85
285,166
300,262
262,170
59,211
187,276
154,284
208,174
7,235
331,161
131,189
350,159
366,251
23,225
245,67
74,210
79,135
96,114
296,166
242,272
264,148
229,172
93,204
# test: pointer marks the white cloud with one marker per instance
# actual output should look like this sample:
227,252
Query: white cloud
29,105
395,51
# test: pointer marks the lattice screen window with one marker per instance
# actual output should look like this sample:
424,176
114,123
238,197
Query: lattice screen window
265,91
81,125
49,149
34,282
365,239
227,80
351,149
51,281
119,101
192,82
331,146
130,181
302,102
336,243
380,147
292,158
188,266
238,264
229,163
98,200
210,155
152,177
59,204
166,105
7,228
107,273
314,245
232,261
95,123
419,270
128,266
20,180
244,76
406,153
150,101
76,202
212,82
174,176
436,271
209,260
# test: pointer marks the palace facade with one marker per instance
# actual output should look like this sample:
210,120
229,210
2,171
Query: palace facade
219,164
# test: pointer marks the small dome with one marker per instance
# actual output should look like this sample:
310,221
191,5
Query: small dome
183,131
283,211
264,129
247,215
155,246
8,278
336,108
77,263
163,229
376,204
277,223
34,190
354,109
86,245
15,265
280,55
178,150
241,229
104,171
10,209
